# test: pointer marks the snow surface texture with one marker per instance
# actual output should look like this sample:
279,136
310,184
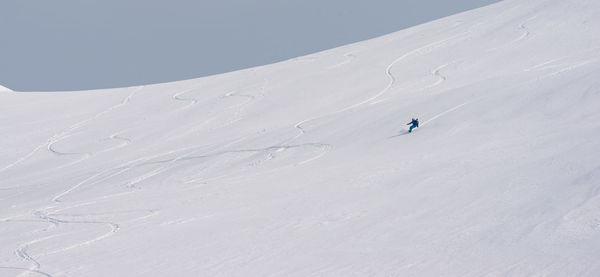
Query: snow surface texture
4,89
305,168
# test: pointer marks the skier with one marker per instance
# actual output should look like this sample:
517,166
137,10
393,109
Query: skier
415,124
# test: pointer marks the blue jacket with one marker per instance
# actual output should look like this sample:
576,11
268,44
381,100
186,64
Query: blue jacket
414,122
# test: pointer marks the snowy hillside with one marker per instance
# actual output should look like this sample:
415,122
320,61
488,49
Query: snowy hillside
4,89
304,168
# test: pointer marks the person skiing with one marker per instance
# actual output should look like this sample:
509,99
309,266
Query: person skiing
415,124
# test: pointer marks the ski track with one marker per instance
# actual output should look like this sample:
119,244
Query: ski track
52,150
125,142
390,75
235,94
192,101
444,113
57,198
131,165
237,116
150,214
562,70
114,227
326,148
525,33
224,152
371,100
81,124
168,160
436,73
26,270
24,158
569,68
139,179
22,253
76,126
441,77
349,58
66,192
119,169
269,149
546,65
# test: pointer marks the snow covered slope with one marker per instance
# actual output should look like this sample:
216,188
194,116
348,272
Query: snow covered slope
305,168
4,89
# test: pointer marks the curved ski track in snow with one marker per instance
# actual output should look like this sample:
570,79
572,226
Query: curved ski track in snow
188,156
239,108
113,172
125,141
114,228
192,101
132,183
246,206
371,100
274,148
441,77
349,58
21,252
67,133
524,34
237,116
52,150
436,73
390,75
54,138
119,169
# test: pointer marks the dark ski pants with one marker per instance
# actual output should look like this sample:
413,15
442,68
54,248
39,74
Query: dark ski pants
411,127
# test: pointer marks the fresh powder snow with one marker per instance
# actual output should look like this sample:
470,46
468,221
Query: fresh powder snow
4,89
306,168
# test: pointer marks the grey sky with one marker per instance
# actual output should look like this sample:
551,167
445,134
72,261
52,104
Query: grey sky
85,44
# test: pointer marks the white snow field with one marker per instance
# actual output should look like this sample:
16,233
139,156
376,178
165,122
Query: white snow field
305,168
2,88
